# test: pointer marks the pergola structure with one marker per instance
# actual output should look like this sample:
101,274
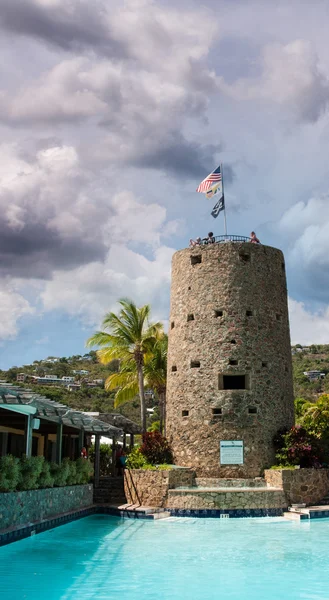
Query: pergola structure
117,420
43,424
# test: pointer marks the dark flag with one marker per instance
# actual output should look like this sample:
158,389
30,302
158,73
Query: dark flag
220,205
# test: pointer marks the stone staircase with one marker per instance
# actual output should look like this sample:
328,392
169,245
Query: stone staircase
110,491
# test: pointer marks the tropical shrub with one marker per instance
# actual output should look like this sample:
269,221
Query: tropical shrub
46,479
84,471
30,470
299,448
60,473
72,472
136,460
156,448
31,473
105,458
9,473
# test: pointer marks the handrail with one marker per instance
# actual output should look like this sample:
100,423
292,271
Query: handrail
219,239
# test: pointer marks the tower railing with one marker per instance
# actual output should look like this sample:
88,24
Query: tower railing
220,239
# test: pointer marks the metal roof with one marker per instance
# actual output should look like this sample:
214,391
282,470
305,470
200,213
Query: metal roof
50,410
119,420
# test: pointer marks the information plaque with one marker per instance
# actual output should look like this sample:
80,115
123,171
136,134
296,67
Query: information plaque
231,452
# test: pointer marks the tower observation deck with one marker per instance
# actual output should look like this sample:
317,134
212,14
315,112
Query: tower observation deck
229,358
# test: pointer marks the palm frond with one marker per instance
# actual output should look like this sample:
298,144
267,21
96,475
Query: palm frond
119,380
105,355
126,394
100,338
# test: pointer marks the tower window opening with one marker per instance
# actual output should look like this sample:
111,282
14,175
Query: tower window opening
189,287
184,413
195,260
252,410
249,313
217,411
244,257
278,317
218,313
283,266
233,342
232,362
190,317
173,369
264,364
195,364
233,382
172,324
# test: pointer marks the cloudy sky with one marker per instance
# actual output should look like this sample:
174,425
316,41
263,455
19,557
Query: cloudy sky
111,112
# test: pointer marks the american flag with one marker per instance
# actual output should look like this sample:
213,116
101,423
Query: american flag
209,181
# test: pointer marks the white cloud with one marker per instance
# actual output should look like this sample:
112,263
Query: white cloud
291,77
91,290
13,306
305,227
307,327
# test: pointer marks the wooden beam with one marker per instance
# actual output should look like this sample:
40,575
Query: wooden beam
97,460
59,442
28,435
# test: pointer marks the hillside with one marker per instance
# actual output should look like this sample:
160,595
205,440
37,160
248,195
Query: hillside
86,398
307,358
310,358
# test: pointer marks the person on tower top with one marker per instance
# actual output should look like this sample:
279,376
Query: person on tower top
210,239
253,238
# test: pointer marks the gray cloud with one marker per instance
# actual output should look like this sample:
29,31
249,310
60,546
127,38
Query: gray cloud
183,158
34,251
71,26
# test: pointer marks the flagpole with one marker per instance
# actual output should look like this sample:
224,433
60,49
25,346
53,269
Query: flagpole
225,224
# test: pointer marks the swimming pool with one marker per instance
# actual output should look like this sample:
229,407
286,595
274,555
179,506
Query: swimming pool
103,557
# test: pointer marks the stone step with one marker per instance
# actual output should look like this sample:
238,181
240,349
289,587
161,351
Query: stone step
309,512
223,490
154,513
214,482
294,516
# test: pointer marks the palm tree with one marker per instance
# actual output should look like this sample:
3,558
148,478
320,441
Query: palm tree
125,382
155,373
128,337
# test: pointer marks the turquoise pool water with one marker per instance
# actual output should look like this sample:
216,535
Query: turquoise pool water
102,557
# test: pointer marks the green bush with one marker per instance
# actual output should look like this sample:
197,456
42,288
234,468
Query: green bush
84,471
30,470
105,458
9,473
136,460
60,473
72,472
46,479
31,473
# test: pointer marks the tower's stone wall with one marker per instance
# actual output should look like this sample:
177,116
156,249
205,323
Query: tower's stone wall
229,316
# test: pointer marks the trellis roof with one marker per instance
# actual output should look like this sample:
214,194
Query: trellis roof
56,412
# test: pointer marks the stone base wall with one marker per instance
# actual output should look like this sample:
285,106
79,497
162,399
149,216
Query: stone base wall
150,488
227,500
18,509
300,486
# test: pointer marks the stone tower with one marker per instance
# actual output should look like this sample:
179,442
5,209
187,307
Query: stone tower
229,360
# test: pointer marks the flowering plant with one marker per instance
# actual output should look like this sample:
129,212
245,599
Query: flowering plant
298,447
